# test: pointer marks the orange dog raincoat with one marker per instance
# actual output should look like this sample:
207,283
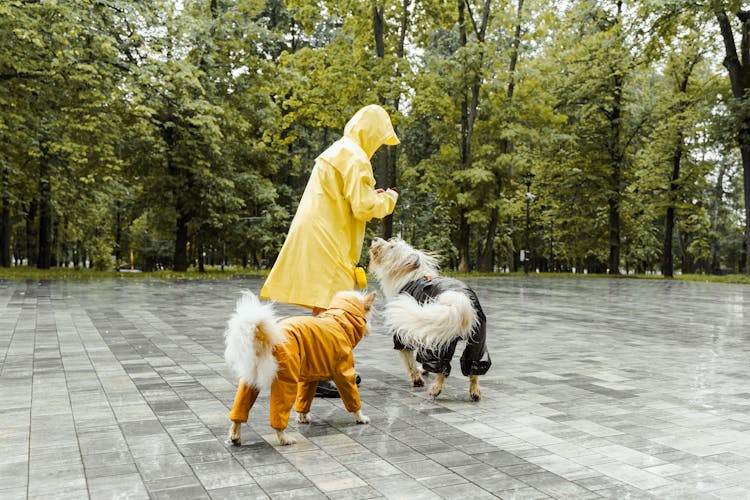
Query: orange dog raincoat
317,348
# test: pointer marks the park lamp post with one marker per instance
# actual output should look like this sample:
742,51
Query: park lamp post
528,176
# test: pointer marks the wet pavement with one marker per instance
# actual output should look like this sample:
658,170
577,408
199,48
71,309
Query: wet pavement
600,388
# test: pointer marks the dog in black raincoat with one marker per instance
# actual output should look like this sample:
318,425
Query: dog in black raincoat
428,314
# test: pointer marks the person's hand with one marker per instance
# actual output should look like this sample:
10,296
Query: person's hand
380,190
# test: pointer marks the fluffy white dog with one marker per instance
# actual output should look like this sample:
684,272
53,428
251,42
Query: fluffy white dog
429,314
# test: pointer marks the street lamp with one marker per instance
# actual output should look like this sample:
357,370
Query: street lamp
528,176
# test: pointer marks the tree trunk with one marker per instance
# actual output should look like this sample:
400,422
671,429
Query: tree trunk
77,254
487,256
617,155
615,179
668,257
202,258
745,150
31,250
487,259
469,107
179,195
390,176
463,238
715,266
387,159
614,233
382,157
463,227
45,215
118,235
181,244
739,77
5,225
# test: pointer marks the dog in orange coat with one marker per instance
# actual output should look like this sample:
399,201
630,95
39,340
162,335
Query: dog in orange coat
292,355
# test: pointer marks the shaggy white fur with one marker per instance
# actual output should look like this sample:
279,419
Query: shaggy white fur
433,325
430,326
252,333
395,263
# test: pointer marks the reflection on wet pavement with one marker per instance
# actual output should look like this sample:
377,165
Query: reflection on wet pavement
600,388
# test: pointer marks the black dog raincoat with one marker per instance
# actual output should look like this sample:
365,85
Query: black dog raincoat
475,359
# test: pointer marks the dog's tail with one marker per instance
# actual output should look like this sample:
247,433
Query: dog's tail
434,324
251,335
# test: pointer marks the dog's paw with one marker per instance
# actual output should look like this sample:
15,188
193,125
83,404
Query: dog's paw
234,434
435,391
361,418
303,418
474,393
284,439
417,382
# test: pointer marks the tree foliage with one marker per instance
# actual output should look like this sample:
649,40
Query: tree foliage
170,134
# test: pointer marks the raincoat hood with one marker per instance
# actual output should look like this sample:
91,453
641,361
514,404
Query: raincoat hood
370,128
350,314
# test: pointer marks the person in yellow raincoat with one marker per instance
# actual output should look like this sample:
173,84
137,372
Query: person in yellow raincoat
325,238
324,242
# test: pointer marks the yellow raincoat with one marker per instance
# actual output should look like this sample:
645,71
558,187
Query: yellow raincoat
318,348
325,238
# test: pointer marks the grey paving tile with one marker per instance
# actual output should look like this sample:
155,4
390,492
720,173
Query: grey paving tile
369,469
461,491
300,493
120,388
522,494
243,492
107,459
488,477
557,487
283,482
110,470
125,486
222,474
421,469
157,467
328,482
14,474
70,493
180,493
401,487
173,483
17,492
361,493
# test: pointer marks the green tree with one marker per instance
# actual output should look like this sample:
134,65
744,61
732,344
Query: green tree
734,23
61,74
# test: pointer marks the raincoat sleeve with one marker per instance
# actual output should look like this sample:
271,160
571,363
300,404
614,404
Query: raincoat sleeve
365,201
